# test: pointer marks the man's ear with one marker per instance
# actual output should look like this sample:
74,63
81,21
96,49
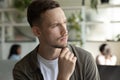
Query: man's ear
36,31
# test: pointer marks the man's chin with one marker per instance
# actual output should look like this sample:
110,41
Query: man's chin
60,46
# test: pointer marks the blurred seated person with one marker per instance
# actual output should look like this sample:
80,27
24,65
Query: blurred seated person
15,52
106,58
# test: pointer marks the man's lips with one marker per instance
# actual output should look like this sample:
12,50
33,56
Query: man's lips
63,38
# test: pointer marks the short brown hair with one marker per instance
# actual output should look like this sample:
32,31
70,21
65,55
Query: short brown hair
37,7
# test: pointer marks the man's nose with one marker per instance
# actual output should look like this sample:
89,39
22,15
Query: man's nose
64,30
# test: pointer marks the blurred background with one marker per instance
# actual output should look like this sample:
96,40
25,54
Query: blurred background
90,24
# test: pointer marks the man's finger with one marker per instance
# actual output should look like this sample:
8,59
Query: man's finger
63,52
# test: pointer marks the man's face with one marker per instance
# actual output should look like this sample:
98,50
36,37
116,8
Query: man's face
53,29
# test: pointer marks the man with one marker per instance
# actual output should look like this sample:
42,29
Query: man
53,58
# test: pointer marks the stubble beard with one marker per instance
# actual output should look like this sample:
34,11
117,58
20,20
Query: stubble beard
63,45
60,46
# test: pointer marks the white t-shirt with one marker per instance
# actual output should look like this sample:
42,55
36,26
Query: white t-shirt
49,68
103,61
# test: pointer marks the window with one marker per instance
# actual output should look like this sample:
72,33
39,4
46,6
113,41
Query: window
19,34
103,25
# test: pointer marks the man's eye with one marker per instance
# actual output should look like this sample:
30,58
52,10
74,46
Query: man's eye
55,25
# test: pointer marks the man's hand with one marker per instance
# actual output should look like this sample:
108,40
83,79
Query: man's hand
66,64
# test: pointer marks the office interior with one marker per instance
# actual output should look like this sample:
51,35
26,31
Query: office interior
95,26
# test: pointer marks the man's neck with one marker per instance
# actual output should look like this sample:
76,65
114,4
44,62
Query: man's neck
49,53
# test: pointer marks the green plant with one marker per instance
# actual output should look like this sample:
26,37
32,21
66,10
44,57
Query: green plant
74,20
74,27
74,23
21,4
93,4
117,37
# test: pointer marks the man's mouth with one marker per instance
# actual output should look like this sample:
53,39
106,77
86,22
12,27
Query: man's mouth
64,38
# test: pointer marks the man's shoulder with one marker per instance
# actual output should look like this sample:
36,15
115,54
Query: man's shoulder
27,60
23,62
80,51
81,54
24,66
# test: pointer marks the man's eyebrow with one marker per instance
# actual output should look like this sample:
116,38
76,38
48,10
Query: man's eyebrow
53,23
